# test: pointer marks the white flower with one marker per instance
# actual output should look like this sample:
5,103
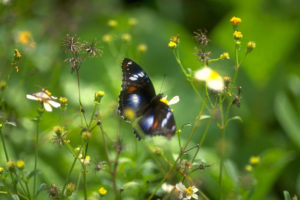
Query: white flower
186,193
167,187
213,80
44,96
86,161
173,101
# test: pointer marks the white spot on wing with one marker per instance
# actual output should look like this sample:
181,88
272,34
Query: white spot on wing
132,78
164,122
129,63
141,74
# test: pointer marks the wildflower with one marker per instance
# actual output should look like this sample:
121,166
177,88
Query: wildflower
58,130
250,46
142,48
106,38
44,97
172,45
173,101
254,160
186,193
157,150
167,187
76,151
213,80
17,54
224,56
237,35
25,38
86,135
1,170
132,21
92,49
129,114
126,37
227,80
179,131
20,164
70,189
201,38
235,20
63,102
248,168
11,165
2,85
86,160
71,43
175,38
102,191
53,191
112,23
98,96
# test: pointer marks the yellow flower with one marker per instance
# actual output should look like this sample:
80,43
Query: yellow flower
254,160
98,96
1,170
142,48
112,23
102,191
70,189
63,100
224,56
132,22
106,38
237,35
11,165
172,45
17,54
235,20
2,85
248,168
86,135
175,38
86,161
126,37
129,114
20,164
250,46
179,131
25,38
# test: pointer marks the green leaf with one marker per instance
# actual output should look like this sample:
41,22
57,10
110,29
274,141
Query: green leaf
234,118
287,118
286,195
130,184
32,173
202,117
10,123
15,197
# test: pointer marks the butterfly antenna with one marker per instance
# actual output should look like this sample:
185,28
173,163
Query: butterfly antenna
162,84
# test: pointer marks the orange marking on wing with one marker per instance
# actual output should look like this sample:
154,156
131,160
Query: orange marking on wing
155,124
131,89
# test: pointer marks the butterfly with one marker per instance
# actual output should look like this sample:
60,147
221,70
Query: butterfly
138,101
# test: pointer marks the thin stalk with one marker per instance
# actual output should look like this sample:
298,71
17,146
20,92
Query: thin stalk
84,181
36,152
221,165
4,145
93,114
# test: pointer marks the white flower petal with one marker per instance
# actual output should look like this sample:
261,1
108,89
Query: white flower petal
54,104
216,84
203,74
53,97
167,187
195,196
31,97
180,187
174,100
195,189
47,107
165,97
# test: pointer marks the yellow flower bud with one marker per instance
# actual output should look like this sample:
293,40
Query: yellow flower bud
172,45
98,96
70,189
20,164
248,168
1,170
237,35
102,191
126,37
235,20
86,135
11,165
112,23
17,54
142,48
106,38
132,22
254,160
250,46
224,56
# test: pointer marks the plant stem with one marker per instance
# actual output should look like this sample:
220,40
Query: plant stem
221,165
36,151
4,145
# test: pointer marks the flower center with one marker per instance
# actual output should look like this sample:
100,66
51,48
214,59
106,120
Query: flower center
189,191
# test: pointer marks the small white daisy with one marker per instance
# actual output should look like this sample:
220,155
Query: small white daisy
44,96
187,193
213,80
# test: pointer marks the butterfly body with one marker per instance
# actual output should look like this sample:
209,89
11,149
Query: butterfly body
138,96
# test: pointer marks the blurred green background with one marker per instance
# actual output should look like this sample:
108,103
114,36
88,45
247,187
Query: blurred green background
270,78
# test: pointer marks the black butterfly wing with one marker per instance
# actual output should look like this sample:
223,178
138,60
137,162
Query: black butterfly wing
137,89
157,120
